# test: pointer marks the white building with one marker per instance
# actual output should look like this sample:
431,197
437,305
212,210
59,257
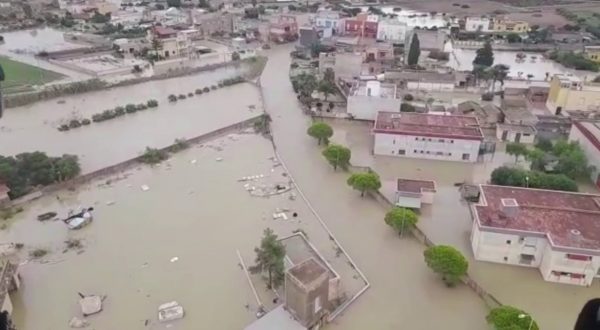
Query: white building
555,231
326,19
588,136
515,133
479,24
366,98
392,30
429,136
412,193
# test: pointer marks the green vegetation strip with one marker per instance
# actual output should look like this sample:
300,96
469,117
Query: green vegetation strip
20,76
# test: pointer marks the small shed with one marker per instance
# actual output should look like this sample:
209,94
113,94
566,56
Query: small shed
412,193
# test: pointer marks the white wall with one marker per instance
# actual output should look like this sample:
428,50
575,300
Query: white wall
450,149
512,136
557,261
474,24
505,248
431,86
593,155
392,32
366,107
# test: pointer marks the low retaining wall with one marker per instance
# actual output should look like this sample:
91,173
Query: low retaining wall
420,235
124,165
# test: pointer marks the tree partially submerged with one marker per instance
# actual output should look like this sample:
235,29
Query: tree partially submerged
507,176
401,219
364,182
320,131
516,149
448,262
337,156
512,318
484,56
152,156
269,258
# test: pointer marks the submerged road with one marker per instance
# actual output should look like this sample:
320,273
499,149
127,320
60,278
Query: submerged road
404,293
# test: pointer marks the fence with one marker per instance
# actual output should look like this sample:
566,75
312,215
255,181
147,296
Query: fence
124,165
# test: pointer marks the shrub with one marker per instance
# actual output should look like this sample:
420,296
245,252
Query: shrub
190,95
206,89
63,128
172,98
141,106
507,176
407,107
294,65
74,123
152,103
198,91
221,85
178,145
152,156
439,55
465,6
213,87
96,118
85,122
448,262
408,97
38,253
119,111
130,108
487,96
181,96
108,114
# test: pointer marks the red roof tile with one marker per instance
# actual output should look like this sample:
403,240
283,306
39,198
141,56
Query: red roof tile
416,186
419,124
557,214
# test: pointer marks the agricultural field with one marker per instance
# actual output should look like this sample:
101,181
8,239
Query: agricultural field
20,77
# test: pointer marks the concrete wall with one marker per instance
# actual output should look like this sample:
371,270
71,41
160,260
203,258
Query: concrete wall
392,32
302,304
366,107
511,136
431,86
415,147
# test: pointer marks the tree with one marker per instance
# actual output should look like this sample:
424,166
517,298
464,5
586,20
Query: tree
235,56
320,131
407,107
511,318
499,73
506,176
516,149
337,156
304,84
485,55
152,156
326,87
414,51
572,161
448,262
99,18
536,159
544,144
269,258
400,219
329,75
513,37
364,182
174,3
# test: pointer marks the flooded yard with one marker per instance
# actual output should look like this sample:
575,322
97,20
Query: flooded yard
462,59
448,221
195,210
34,127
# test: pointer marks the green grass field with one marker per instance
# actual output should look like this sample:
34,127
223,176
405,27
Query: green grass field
20,76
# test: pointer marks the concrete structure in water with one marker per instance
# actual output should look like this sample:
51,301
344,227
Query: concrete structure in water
412,193
438,137
587,133
307,292
366,98
570,93
555,231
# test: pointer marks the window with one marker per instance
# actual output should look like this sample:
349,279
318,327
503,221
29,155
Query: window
578,257
428,140
416,139
505,258
421,151
526,134
439,153
428,152
441,140
466,156
508,241
451,141
415,151
401,152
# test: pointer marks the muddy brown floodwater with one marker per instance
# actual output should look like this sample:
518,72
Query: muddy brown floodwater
33,127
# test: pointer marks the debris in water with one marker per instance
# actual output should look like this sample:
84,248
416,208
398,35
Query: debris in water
193,161
90,304
219,159
174,259
109,203
170,311
79,220
145,187
46,216
78,323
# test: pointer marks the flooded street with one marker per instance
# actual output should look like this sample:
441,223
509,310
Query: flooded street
34,126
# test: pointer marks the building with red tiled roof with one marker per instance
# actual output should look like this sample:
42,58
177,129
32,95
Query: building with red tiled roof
412,193
430,136
555,231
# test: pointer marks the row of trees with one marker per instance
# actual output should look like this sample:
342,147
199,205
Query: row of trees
200,91
26,171
305,84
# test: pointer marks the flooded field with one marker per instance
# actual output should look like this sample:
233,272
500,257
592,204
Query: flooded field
33,127
186,213
448,221
462,59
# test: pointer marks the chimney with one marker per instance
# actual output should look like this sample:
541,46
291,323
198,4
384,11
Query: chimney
510,207
575,235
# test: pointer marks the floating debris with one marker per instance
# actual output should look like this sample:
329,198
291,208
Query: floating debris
46,216
170,311
174,259
219,159
76,322
91,304
144,187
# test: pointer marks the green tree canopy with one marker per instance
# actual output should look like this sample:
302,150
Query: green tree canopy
174,3
572,161
320,131
401,219
507,176
337,156
326,87
364,182
414,51
499,72
508,317
329,75
544,144
448,262
516,149
304,84
485,55
269,258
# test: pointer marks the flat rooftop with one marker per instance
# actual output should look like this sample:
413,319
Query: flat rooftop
422,124
568,219
277,319
307,271
385,91
415,186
